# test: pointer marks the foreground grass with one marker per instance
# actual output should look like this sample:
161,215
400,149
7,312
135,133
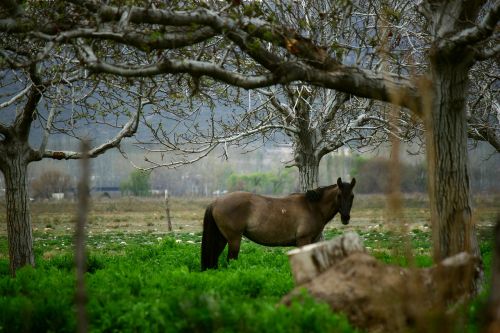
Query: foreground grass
139,283
150,283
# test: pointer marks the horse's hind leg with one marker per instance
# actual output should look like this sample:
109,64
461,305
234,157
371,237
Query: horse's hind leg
233,248
219,246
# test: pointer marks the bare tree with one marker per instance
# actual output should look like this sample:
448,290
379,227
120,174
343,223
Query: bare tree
316,120
43,97
52,181
460,34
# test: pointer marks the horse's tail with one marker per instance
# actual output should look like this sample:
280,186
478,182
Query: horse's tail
212,241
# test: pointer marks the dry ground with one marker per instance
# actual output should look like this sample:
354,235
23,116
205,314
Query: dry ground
137,215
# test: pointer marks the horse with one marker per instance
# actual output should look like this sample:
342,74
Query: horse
294,220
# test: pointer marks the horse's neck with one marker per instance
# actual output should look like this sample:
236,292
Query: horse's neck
329,205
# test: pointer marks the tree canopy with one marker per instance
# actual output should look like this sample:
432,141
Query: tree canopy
259,44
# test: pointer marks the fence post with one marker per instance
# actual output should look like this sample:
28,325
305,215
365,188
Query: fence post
167,208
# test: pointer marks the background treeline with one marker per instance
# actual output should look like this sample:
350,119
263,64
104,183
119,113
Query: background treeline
374,175
263,182
259,172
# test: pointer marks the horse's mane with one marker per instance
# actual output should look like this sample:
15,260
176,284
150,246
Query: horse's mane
316,194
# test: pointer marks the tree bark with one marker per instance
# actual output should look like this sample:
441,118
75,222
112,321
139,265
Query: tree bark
451,215
444,109
19,233
446,122
308,171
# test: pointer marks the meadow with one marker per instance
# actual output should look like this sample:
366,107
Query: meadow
141,278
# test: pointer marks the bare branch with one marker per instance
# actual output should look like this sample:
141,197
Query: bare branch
127,131
24,119
334,106
140,40
15,98
48,127
284,109
480,32
353,80
487,53
173,164
484,133
198,68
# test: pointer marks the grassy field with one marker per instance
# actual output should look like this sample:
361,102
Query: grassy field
143,279
148,215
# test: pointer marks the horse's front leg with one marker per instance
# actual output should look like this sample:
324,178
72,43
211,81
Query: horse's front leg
233,248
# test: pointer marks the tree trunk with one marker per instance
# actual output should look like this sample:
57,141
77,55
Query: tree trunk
308,171
19,233
449,187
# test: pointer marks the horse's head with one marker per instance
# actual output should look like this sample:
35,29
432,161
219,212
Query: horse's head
344,199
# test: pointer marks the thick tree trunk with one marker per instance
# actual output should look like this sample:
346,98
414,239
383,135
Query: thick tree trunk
453,228
308,172
19,233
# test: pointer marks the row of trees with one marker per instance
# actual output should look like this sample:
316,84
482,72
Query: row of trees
50,182
69,64
211,178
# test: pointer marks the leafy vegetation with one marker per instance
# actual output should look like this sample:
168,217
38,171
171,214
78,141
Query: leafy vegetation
137,184
148,283
262,182
152,283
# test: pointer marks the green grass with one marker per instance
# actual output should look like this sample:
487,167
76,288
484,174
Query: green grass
147,283
151,283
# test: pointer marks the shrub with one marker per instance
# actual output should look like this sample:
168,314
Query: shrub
259,182
137,184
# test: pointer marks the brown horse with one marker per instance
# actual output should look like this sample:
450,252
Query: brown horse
295,220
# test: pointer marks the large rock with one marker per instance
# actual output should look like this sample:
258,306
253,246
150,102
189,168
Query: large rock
373,295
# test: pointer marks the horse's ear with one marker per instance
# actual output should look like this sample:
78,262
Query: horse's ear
353,182
339,182
313,195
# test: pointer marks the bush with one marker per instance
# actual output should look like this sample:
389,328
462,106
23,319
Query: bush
137,184
262,183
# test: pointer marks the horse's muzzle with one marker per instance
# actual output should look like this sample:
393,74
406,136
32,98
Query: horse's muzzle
345,219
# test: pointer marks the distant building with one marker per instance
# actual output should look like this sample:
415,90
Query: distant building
58,196
105,191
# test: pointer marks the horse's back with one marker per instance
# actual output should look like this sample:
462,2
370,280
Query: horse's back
246,203
264,220
231,201
231,210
